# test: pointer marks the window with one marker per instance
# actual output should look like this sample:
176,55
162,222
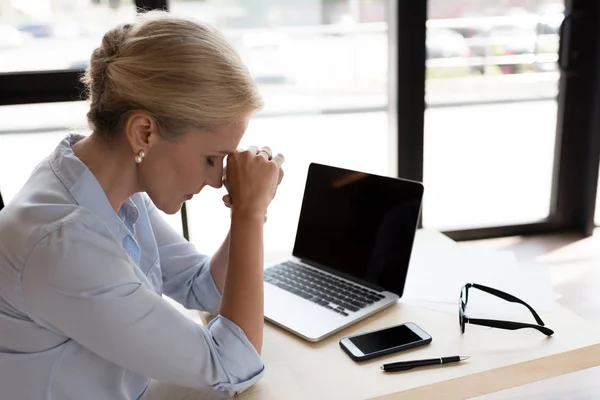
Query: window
497,153
490,124
48,35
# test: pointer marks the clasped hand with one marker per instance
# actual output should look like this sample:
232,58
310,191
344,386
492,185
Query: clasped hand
251,178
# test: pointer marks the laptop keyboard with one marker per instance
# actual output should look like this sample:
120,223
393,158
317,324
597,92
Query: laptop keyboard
325,290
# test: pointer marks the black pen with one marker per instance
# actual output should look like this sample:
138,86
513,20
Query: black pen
406,365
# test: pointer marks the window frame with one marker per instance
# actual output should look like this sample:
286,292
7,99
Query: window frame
577,146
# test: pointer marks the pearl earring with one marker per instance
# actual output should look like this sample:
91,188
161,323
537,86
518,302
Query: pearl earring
139,157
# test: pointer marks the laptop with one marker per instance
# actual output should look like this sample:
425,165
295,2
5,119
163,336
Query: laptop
351,252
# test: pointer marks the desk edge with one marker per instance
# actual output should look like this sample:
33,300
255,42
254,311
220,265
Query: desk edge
506,377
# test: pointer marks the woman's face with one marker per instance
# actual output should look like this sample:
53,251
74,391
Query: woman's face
174,171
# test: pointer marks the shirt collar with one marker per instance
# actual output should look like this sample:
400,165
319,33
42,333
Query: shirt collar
85,189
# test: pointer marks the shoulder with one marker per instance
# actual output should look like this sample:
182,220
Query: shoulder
32,221
79,226
76,251
54,225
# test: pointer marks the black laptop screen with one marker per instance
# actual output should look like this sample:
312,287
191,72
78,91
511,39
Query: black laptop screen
359,224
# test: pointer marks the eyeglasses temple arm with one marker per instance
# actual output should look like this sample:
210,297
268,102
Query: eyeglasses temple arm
508,297
493,323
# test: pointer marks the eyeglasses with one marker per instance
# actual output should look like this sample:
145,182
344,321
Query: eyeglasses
464,319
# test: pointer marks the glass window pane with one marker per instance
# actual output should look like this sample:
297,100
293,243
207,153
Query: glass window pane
491,112
44,35
307,55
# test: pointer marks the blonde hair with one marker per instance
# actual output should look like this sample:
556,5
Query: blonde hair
184,73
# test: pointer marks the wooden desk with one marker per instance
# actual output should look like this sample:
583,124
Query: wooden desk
581,385
296,369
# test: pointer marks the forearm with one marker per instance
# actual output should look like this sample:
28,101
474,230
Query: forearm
219,263
242,300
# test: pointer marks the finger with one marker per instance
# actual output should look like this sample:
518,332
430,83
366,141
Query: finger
281,173
279,159
227,200
263,153
268,151
253,149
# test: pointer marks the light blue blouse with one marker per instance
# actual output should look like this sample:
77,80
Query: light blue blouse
81,312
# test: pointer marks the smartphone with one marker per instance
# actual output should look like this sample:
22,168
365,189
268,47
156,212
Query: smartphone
385,341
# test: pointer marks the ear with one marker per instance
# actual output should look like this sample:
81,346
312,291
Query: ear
141,132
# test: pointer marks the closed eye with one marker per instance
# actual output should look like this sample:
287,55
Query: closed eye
210,161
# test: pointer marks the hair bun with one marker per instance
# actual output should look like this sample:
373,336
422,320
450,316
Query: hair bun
113,39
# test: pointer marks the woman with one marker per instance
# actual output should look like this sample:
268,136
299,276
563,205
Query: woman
85,255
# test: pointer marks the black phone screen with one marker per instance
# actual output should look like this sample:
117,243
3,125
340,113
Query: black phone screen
385,339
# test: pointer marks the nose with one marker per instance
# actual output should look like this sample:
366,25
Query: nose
217,184
215,179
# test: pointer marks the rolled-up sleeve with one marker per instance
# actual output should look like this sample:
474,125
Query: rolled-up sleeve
78,282
186,273
241,357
